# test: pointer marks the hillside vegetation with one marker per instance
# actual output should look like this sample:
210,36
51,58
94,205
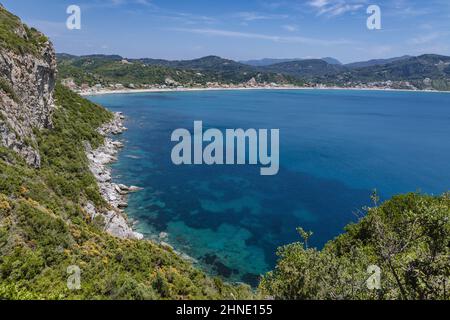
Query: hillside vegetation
43,228
423,72
18,37
107,70
407,237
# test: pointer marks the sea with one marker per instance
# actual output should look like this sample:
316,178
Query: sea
336,148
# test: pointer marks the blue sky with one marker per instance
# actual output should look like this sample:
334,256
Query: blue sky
185,29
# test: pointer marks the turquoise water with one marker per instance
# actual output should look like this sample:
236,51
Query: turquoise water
336,147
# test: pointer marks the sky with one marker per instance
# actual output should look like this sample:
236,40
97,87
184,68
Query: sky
242,30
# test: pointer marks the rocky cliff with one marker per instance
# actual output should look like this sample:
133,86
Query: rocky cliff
27,95
27,80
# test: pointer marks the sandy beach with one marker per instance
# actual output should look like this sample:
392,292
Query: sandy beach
159,90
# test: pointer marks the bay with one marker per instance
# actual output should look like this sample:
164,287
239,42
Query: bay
336,147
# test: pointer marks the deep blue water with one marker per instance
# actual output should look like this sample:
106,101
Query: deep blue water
336,147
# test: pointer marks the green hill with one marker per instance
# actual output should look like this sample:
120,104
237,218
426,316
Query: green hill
306,69
107,70
423,72
375,62
28,40
413,69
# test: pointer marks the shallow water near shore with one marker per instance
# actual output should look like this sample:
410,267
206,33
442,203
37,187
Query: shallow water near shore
336,147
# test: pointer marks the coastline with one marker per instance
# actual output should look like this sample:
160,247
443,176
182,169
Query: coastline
117,222
161,90
115,219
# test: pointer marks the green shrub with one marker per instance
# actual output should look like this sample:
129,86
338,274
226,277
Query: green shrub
6,88
408,237
32,42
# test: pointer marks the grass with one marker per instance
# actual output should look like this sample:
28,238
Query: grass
6,88
10,25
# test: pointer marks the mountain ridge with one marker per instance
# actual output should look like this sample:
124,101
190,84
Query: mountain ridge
271,61
106,70
376,62
406,72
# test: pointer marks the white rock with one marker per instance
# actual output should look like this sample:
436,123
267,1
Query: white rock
166,245
115,194
163,235
122,205
138,236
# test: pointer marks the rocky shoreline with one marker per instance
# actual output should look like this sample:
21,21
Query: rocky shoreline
90,92
115,219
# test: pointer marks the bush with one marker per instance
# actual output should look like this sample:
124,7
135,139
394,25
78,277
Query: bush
408,237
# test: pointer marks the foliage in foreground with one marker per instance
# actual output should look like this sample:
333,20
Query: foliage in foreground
408,238
44,230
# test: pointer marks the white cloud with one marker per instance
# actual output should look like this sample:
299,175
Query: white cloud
425,38
318,3
274,38
333,8
376,52
113,4
290,27
52,29
122,2
254,16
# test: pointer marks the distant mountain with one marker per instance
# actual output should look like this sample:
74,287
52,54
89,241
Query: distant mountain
423,72
332,60
375,62
113,69
98,57
305,69
267,62
430,66
209,63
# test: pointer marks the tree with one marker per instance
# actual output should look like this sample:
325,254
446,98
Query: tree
407,237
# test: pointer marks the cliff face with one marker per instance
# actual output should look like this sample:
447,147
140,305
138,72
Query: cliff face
27,80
